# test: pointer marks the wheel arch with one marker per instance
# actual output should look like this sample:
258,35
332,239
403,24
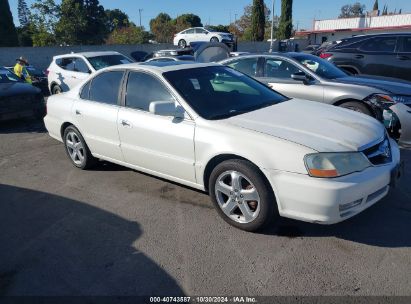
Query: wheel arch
218,159
341,101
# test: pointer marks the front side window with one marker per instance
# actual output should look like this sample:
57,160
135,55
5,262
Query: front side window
84,94
81,66
279,68
379,44
100,62
105,87
190,31
219,92
320,67
247,66
407,45
142,89
200,31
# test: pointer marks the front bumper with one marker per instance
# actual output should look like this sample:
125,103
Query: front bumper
328,201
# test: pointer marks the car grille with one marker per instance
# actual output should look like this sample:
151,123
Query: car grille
380,153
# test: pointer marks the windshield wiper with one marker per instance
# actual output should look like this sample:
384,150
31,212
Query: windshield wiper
238,112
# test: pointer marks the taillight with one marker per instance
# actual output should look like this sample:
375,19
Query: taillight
325,55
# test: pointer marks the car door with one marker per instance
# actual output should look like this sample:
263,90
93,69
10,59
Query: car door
201,35
96,111
277,75
377,56
159,144
403,58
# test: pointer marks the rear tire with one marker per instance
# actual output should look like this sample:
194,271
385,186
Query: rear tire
56,89
357,107
241,195
77,149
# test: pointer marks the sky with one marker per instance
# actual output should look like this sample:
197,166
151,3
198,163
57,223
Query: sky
223,11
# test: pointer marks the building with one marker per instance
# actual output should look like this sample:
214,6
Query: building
337,29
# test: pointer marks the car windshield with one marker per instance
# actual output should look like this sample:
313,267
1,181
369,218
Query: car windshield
7,76
320,67
100,62
221,92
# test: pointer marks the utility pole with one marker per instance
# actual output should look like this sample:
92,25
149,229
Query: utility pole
139,12
235,18
272,28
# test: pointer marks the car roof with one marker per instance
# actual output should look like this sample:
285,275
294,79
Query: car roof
161,67
89,54
273,54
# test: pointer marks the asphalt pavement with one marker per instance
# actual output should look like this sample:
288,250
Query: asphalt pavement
115,231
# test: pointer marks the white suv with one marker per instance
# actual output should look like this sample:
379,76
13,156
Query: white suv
66,71
195,34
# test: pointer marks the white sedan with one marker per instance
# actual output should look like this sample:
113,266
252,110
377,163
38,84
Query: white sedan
207,126
200,34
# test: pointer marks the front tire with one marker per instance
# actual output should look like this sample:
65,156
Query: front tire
214,39
182,43
357,107
77,149
241,195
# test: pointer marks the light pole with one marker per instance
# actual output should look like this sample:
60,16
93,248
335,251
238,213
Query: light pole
139,12
272,28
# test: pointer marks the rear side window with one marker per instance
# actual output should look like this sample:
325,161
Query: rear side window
247,66
407,45
379,44
105,87
66,63
142,89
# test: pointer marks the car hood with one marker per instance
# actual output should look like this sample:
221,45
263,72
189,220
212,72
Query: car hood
17,88
390,85
321,127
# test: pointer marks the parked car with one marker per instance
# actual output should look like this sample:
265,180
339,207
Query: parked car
309,77
38,78
172,58
310,49
66,71
198,34
379,54
19,99
212,128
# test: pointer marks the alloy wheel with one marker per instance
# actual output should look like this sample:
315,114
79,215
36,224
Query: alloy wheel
75,148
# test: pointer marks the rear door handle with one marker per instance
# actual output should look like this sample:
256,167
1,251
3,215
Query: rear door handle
125,123
403,57
359,56
78,112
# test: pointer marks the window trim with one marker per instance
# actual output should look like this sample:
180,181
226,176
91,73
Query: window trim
122,104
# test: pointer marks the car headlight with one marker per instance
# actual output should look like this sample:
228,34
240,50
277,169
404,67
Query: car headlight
388,100
335,164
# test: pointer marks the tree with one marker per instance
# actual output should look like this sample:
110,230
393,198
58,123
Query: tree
220,28
43,19
257,20
128,35
355,10
162,27
116,19
23,13
95,30
72,22
186,21
242,27
8,34
375,7
286,24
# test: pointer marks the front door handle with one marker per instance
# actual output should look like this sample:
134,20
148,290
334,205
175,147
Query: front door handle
78,112
359,56
125,123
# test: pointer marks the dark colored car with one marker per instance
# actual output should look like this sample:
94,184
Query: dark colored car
38,78
380,54
19,99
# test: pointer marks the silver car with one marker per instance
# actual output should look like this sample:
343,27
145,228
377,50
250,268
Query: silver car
305,76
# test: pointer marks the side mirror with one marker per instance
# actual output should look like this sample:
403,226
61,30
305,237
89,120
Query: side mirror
166,108
299,76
